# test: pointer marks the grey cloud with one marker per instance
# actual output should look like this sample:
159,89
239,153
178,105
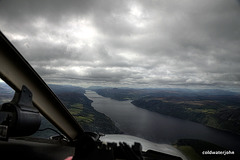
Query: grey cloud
160,43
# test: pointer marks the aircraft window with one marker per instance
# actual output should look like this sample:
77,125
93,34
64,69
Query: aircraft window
46,129
6,92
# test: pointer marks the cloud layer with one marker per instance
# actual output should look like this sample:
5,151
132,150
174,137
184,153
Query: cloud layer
128,43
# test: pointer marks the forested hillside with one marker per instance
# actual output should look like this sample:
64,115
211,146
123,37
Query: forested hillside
78,105
214,108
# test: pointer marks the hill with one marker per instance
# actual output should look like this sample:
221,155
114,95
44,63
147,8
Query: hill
78,105
6,93
214,108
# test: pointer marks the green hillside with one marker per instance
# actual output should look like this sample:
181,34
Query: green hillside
80,107
214,108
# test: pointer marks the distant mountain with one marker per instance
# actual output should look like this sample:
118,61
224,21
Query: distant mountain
6,93
122,94
65,88
95,87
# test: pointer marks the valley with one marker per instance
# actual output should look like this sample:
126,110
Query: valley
214,108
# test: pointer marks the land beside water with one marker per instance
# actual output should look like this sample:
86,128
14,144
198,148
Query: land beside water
80,107
202,150
215,108
77,104
218,109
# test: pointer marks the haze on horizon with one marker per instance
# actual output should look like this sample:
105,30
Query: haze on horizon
153,43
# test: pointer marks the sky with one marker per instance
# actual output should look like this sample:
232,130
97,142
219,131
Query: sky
145,43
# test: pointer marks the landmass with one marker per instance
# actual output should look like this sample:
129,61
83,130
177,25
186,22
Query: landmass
80,107
218,109
77,104
6,93
202,150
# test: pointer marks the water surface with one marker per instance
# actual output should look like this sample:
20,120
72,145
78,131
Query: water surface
158,128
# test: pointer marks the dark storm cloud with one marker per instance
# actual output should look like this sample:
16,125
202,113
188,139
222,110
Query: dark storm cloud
129,43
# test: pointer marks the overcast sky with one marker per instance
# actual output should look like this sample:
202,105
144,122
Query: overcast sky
148,43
